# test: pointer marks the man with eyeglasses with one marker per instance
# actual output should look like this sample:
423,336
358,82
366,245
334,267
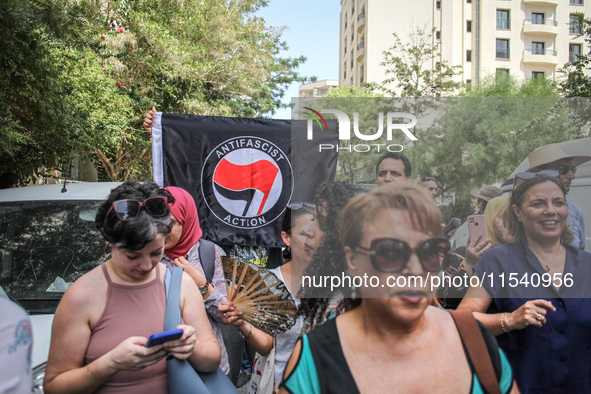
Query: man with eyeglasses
553,157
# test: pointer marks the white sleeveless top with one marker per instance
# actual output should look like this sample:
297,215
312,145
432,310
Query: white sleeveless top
285,342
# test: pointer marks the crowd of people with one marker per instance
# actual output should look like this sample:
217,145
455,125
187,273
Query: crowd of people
358,339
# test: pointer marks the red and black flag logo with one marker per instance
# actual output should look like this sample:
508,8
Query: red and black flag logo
246,182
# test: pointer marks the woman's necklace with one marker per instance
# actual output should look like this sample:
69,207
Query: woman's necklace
547,266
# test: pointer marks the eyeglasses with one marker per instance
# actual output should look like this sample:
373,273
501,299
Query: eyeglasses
296,206
392,255
522,177
565,169
129,209
428,179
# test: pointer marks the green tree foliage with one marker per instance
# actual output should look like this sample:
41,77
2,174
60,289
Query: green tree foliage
416,67
90,69
482,137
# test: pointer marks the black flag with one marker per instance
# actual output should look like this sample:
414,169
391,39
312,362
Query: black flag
241,172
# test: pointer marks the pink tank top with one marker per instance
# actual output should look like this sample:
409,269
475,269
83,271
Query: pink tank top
130,311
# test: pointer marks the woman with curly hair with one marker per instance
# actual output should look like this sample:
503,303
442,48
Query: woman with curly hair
329,259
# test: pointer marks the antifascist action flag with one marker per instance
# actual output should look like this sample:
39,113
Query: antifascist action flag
241,172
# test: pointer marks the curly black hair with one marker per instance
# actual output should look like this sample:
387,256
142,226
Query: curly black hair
329,259
135,233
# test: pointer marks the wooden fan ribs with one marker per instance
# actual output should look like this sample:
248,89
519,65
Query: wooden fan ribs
262,298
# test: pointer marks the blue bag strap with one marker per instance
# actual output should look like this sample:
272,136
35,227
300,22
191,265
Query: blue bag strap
172,283
207,257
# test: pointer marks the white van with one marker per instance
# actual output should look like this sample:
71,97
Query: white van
45,235
579,193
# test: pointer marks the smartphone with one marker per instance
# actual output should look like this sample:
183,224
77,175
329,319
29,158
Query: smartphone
477,226
161,337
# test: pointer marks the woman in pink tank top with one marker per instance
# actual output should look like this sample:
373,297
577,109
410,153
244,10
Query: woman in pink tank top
104,319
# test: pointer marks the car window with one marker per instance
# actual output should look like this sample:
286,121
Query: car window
41,242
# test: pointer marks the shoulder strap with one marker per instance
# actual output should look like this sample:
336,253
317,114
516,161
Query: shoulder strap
477,350
207,257
172,282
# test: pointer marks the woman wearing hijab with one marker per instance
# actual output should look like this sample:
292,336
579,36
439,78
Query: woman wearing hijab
182,250
495,227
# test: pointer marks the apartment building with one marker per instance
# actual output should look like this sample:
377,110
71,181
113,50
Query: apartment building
526,38
311,91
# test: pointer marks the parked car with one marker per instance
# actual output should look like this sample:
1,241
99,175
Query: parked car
47,241
580,188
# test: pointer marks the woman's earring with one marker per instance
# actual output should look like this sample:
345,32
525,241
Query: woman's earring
353,293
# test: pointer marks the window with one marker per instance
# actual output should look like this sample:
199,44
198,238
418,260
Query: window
323,92
311,93
537,18
468,82
346,19
438,5
468,1
345,46
352,32
468,55
502,49
503,21
437,66
574,51
575,24
438,35
353,7
351,59
345,74
537,74
361,76
502,72
469,26
580,2
537,48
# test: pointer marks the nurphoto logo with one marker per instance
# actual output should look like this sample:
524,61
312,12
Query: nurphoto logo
345,130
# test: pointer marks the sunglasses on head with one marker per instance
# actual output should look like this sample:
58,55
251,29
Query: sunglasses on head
523,177
392,255
296,206
129,209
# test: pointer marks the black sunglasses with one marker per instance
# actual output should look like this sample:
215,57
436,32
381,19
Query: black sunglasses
392,255
565,169
129,209
523,177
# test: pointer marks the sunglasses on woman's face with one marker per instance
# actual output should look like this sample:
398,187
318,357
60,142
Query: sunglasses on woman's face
392,255
129,209
523,177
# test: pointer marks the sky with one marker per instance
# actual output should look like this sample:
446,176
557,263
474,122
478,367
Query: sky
313,31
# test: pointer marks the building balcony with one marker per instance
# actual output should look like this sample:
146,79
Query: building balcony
546,27
540,56
541,2
360,21
360,50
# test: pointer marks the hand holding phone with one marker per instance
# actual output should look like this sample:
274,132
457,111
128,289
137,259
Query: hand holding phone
166,336
477,226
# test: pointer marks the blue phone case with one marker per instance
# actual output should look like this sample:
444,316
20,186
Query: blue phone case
161,337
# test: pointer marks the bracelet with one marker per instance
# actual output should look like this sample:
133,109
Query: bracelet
503,324
90,374
249,333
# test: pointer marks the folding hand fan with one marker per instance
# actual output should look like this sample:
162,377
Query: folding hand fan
262,298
